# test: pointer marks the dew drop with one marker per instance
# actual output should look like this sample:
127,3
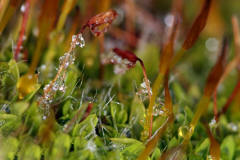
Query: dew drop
23,8
182,131
35,31
213,123
233,127
43,67
143,91
44,117
78,40
62,88
74,38
24,37
91,146
120,69
157,110
169,19
29,76
209,157
212,44
65,126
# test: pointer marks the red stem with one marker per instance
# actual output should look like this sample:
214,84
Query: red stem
145,77
23,28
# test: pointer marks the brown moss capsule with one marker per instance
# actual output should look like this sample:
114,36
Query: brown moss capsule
100,23
129,59
126,55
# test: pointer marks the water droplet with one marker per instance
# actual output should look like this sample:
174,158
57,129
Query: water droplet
62,58
120,68
46,87
213,123
55,87
91,146
24,37
104,112
35,31
43,67
233,127
169,19
78,40
65,126
143,91
212,44
114,146
74,38
30,76
106,19
62,88
209,157
157,110
104,58
182,131
44,117
23,8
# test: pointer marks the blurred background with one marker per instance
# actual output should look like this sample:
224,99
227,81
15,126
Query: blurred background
36,33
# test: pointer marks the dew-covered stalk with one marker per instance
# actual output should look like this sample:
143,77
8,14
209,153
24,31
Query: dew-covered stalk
58,82
145,78
165,59
100,21
152,142
156,87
